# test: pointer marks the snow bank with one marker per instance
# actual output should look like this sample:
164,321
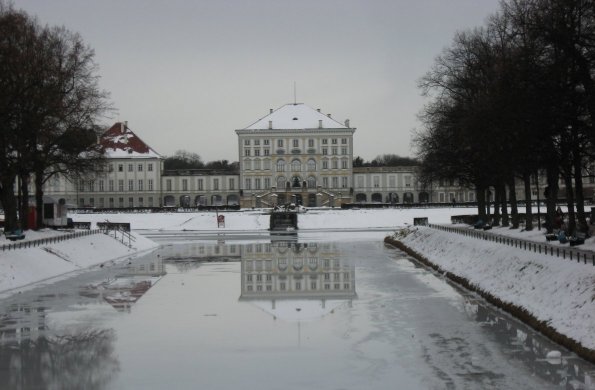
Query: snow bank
561,293
22,267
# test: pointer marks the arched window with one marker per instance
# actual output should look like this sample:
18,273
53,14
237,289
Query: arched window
281,182
311,165
296,165
247,165
280,165
257,164
311,182
266,164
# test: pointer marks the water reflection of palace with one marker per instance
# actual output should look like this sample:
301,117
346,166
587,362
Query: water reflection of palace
296,280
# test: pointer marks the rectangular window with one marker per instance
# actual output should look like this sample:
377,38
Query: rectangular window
248,185
111,203
325,164
130,185
110,168
216,184
296,143
407,181
335,164
266,152
325,141
200,185
376,181
120,167
325,182
334,141
120,202
150,167
246,152
101,202
257,183
141,186
150,201
111,185
344,151
92,185
130,168
184,184
256,142
265,142
344,182
335,182
101,186
324,151
131,202
344,141
140,167
81,185
232,183
140,201
267,182
150,183
247,142
168,185
121,186
280,143
335,151
344,164
257,152
310,143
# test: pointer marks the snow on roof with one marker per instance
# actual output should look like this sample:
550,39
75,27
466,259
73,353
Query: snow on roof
296,116
121,142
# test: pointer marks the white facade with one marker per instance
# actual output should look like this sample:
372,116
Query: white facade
295,154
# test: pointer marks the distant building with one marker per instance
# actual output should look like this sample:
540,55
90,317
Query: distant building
295,154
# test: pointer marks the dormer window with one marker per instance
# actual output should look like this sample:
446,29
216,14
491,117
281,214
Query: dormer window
295,119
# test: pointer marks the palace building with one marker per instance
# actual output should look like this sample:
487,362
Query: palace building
293,154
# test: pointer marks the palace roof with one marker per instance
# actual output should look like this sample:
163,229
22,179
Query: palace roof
121,142
295,116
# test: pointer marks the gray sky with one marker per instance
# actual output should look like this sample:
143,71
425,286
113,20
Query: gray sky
186,74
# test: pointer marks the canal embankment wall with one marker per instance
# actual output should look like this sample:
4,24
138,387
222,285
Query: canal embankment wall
550,294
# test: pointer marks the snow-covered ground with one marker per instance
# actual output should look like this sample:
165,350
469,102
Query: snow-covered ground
559,292
554,290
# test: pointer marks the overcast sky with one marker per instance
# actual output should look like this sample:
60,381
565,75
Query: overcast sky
185,74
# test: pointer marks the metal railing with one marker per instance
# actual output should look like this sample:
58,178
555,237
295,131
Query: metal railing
47,240
532,246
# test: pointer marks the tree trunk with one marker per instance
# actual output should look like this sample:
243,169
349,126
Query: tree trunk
552,172
9,203
497,202
528,201
578,194
24,201
514,211
480,194
39,199
504,204
570,202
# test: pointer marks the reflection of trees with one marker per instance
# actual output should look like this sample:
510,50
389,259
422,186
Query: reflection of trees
81,361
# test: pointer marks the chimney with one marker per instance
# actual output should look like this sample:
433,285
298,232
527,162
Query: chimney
318,109
320,123
270,110
270,124
346,122
329,115
122,127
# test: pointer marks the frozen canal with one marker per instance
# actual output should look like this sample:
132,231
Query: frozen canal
314,311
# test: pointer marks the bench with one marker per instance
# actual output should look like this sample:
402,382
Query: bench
14,235
578,239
